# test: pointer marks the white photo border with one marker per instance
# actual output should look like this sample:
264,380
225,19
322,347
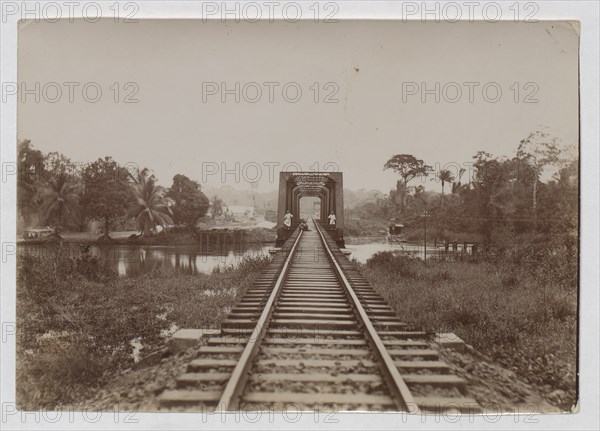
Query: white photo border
586,12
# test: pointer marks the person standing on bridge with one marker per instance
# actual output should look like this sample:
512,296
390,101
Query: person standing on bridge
331,220
287,220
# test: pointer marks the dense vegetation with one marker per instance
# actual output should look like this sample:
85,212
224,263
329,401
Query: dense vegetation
76,319
53,191
499,202
517,302
521,314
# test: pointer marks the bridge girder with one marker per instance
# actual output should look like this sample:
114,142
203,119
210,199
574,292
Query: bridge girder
327,186
299,193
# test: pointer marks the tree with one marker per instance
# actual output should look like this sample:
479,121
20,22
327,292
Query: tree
216,207
149,207
539,149
57,165
408,167
60,201
30,165
558,202
419,199
107,192
445,176
483,199
495,198
190,203
456,185
397,195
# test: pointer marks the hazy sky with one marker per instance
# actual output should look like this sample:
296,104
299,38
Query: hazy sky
173,130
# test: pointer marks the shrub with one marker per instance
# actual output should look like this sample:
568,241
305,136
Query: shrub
442,274
57,374
398,265
522,314
76,320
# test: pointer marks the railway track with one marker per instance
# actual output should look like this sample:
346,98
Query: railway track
312,334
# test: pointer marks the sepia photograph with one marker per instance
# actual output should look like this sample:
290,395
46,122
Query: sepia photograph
240,213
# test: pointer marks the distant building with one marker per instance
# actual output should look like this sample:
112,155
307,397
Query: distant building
240,210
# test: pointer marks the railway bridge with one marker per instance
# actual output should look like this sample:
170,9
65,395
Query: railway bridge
328,187
312,334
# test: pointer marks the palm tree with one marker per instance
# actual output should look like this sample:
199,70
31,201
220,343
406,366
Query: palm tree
445,176
149,206
60,201
456,185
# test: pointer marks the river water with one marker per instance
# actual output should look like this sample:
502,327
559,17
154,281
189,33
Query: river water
139,259
362,252
135,260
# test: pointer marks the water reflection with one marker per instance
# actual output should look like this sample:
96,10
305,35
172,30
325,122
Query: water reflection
134,260
137,260
362,252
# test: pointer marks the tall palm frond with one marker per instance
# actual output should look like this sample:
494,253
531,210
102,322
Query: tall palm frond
60,201
149,206
445,176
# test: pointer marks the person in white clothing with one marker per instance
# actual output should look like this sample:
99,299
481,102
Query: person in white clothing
331,218
287,220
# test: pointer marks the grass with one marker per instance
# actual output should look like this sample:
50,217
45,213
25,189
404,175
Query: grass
524,317
523,314
76,318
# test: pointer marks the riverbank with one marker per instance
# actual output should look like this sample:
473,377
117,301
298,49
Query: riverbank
176,237
79,323
523,317
371,226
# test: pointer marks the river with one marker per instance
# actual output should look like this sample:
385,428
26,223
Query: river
139,259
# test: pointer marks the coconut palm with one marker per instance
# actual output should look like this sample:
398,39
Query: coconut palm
445,176
456,184
149,206
60,201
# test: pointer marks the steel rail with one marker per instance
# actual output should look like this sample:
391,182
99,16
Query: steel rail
239,376
400,392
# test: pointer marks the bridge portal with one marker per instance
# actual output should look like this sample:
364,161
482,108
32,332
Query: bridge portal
327,186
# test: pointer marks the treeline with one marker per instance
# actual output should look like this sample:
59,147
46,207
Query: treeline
501,198
53,191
